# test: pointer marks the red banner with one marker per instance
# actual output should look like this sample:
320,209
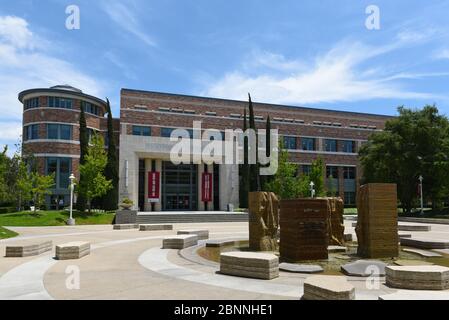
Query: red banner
154,185
206,187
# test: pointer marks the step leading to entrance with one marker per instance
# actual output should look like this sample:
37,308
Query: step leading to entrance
190,217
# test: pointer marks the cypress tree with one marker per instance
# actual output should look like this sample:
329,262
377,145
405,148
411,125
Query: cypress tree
81,202
254,168
244,187
110,200
267,179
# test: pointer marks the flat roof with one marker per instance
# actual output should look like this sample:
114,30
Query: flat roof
57,90
258,103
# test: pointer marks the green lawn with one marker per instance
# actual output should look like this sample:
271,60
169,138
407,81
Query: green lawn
5,233
53,218
350,211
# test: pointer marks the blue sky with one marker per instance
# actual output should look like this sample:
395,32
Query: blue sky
309,53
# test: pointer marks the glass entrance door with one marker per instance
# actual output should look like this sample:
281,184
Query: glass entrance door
179,187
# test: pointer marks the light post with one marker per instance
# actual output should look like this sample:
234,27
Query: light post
312,189
421,193
71,221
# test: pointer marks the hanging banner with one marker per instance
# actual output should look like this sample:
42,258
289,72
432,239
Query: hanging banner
154,186
206,187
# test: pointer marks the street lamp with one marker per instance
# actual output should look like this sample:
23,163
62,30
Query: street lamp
312,189
421,193
71,221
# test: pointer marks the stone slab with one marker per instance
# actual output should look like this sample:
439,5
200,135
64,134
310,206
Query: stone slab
364,268
328,288
425,243
336,249
179,241
125,226
412,263
155,227
414,227
72,250
300,268
423,253
250,264
28,250
202,234
417,295
404,235
418,277
219,243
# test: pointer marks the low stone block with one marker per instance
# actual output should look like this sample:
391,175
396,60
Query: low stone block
179,242
155,227
219,243
202,234
250,264
364,268
125,226
418,277
423,253
300,268
416,295
72,250
414,227
328,288
424,243
412,263
336,249
404,235
28,250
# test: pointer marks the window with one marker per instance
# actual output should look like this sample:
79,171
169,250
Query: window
61,168
90,108
308,144
166,132
31,103
290,143
56,102
332,172
306,169
349,198
32,132
348,146
59,132
349,173
330,145
141,131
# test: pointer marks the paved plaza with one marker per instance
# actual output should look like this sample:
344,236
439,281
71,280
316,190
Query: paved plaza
131,264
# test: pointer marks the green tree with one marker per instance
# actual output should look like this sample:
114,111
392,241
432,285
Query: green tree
110,200
414,143
24,185
317,177
40,188
4,165
95,183
84,144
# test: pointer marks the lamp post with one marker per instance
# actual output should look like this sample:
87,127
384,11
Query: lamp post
421,193
71,221
312,189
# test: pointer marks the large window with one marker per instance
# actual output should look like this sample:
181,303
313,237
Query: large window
350,198
308,144
332,172
59,132
61,168
31,103
289,143
306,169
349,173
56,102
32,132
166,132
141,131
90,108
348,146
330,145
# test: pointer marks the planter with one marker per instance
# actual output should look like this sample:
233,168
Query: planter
126,206
263,221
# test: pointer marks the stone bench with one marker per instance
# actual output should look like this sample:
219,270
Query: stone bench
418,277
328,288
414,227
219,243
126,226
250,265
423,243
72,250
28,250
155,227
202,234
179,242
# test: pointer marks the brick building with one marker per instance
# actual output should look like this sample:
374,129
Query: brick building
147,119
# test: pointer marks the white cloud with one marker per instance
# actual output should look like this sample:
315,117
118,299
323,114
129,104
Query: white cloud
24,65
123,16
336,76
441,54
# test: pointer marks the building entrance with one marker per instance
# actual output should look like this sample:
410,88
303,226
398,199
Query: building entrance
179,187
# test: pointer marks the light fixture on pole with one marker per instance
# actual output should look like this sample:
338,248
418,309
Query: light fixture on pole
71,221
421,193
312,189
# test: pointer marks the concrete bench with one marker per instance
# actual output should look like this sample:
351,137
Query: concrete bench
250,265
155,227
72,250
219,243
126,226
418,277
28,250
202,234
328,288
414,227
423,243
179,242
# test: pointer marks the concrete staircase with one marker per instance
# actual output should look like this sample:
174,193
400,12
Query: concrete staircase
190,217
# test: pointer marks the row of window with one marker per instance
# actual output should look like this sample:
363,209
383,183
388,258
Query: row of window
349,173
64,103
309,144
61,167
54,132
